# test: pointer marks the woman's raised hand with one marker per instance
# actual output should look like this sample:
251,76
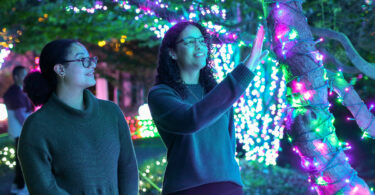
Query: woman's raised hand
256,54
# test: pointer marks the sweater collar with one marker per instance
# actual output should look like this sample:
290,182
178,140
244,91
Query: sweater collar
90,101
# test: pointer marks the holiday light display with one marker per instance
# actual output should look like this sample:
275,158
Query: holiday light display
147,126
3,112
7,157
260,113
269,180
4,52
151,176
314,136
5,45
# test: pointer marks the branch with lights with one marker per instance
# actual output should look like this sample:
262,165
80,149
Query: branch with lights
349,97
310,122
361,64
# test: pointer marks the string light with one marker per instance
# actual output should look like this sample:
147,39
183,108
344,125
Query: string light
151,175
6,45
7,156
299,96
260,140
4,52
3,112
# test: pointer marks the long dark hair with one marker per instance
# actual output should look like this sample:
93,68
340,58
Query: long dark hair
168,71
40,85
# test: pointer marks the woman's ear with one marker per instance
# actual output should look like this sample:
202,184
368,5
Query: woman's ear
60,70
173,54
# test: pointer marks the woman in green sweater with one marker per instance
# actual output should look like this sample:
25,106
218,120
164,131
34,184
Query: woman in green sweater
193,113
76,143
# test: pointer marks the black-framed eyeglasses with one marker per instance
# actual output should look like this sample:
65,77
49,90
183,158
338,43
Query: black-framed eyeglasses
191,41
86,62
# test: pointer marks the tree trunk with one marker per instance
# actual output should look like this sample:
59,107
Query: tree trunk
312,127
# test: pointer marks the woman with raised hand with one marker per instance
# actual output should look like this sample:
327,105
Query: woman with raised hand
194,114
75,143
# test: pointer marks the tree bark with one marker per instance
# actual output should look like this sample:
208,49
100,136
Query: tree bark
352,101
312,127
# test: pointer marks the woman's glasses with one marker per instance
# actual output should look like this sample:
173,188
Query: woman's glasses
86,62
191,41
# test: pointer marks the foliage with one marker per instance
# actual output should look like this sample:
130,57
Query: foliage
257,178
5,142
261,179
354,18
34,23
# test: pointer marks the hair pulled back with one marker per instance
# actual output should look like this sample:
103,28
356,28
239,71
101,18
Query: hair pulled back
40,85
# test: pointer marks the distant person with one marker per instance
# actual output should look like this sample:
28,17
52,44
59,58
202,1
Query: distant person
75,143
18,107
194,114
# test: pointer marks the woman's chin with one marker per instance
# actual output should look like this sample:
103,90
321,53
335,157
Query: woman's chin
91,83
202,65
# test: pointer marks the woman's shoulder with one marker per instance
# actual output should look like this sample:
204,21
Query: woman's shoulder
109,107
162,89
107,104
36,122
42,113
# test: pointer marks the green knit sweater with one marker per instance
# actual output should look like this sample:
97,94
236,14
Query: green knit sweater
198,131
64,151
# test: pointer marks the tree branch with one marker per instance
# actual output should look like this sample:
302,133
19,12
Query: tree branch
353,102
365,67
339,65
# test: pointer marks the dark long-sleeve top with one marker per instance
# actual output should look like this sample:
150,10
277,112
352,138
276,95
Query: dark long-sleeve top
64,151
199,133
